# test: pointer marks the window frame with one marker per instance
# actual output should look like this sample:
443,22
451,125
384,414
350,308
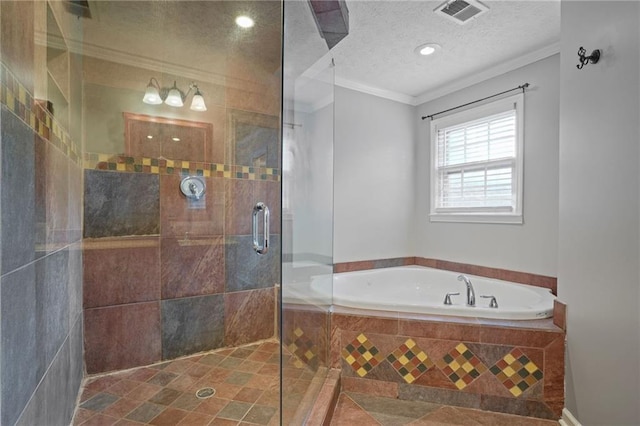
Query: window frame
481,214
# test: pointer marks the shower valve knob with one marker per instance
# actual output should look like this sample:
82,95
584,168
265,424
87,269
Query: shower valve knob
193,187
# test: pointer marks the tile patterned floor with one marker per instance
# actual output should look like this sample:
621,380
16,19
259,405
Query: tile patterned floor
365,410
246,381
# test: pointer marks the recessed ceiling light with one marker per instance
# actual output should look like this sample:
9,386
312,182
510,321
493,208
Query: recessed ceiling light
244,21
149,137
427,49
175,139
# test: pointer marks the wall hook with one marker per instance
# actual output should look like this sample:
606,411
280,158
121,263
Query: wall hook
584,60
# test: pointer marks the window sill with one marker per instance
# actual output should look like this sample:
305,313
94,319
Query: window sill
509,219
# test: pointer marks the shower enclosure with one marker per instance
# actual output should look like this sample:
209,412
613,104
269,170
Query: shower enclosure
166,191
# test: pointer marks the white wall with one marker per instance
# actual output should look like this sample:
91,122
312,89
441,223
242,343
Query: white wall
374,177
308,191
532,246
598,272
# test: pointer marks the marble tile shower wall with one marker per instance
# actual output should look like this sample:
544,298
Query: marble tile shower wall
40,227
164,280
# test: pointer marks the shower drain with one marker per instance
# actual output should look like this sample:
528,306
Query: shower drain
205,393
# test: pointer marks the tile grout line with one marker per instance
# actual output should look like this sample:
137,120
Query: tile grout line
241,359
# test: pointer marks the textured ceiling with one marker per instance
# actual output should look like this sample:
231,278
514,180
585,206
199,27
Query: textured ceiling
379,50
198,35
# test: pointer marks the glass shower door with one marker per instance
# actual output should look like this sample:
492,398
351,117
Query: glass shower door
307,211
181,119
137,139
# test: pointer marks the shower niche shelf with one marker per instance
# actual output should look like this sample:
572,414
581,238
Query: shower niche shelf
57,59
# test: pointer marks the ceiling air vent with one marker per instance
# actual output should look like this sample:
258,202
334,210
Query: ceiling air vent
461,11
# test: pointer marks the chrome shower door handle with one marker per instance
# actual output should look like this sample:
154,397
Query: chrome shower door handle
264,248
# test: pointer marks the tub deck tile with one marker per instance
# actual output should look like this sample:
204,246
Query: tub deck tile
537,324
379,407
443,396
370,387
365,324
462,268
491,341
518,337
435,378
490,354
487,384
347,412
554,371
447,331
345,310
560,314
522,407
439,318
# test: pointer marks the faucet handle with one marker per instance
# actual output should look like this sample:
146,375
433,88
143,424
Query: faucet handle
493,303
447,298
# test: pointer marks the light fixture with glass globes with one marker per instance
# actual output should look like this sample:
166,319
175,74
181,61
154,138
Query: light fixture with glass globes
172,96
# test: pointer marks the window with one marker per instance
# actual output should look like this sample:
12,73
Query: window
476,164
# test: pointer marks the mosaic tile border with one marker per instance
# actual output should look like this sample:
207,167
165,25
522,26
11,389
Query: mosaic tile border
410,361
30,110
523,364
127,164
15,96
362,355
461,366
515,371
303,349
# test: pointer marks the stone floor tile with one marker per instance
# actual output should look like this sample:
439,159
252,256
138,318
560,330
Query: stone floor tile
260,414
169,417
145,412
211,406
99,401
100,420
348,413
248,395
165,397
122,407
235,410
196,419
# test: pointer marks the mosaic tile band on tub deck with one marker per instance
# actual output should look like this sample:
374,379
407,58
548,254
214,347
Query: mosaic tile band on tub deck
514,367
515,370
495,367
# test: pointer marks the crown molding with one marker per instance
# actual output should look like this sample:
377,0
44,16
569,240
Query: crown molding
489,73
151,64
120,57
375,91
446,89
117,56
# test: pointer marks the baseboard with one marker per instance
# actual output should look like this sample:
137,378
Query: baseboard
568,419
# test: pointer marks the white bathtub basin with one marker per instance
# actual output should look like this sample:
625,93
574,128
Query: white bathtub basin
422,290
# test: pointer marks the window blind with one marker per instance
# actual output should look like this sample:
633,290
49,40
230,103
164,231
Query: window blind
476,165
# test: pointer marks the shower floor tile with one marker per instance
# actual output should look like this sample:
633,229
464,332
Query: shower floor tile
246,381
366,410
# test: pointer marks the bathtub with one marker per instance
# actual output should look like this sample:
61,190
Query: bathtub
419,289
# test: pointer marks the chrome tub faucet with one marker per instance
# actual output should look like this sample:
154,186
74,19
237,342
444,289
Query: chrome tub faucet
471,294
